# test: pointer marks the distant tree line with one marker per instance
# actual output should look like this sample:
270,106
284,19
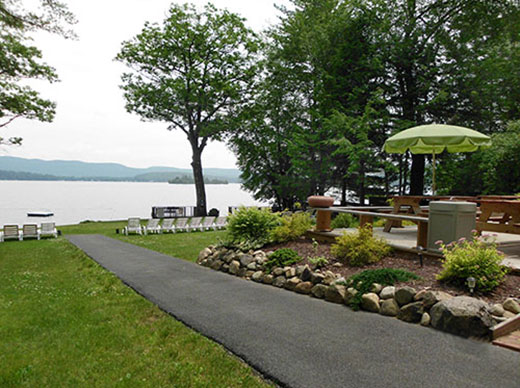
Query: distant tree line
185,179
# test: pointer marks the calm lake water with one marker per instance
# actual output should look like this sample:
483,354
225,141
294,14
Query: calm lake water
72,202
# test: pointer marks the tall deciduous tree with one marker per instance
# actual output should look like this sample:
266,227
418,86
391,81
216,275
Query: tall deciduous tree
195,72
21,61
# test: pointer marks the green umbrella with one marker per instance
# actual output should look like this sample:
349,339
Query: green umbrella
434,139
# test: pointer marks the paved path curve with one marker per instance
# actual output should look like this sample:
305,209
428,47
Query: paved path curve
300,341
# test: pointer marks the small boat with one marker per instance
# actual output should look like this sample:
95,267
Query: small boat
40,214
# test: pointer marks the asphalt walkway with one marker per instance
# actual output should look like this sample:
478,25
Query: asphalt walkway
299,341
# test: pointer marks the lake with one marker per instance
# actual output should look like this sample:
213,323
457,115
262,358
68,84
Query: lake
73,202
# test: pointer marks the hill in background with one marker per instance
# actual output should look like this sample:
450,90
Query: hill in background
14,168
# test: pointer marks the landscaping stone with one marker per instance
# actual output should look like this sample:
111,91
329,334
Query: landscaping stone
245,260
290,273
431,297
329,278
335,293
404,295
279,281
303,288
228,257
234,267
411,312
318,291
509,314
497,310
242,272
225,267
425,319
387,292
420,295
252,266
249,274
351,292
389,307
217,264
292,283
376,288
204,254
511,305
337,265
370,302
278,271
268,279
299,270
258,276
317,277
462,315
306,274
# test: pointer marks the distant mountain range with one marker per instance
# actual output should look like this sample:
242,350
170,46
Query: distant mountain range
13,168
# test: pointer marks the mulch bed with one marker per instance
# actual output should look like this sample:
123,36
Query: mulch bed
407,261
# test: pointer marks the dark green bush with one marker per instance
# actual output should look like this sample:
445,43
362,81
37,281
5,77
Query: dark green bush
361,248
344,220
363,281
292,226
250,228
281,258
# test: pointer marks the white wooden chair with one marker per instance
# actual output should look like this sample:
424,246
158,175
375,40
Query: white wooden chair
134,226
153,226
30,231
167,225
195,224
48,229
181,225
12,232
207,224
220,223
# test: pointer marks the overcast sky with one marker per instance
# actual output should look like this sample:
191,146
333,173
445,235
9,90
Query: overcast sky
91,123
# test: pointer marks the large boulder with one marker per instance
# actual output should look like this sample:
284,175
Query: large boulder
432,297
335,293
258,276
204,254
411,312
292,283
246,259
387,292
303,288
279,281
234,267
462,315
268,279
404,295
512,305
318,291
389,307
370,302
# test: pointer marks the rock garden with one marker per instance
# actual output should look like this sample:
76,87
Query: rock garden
363,273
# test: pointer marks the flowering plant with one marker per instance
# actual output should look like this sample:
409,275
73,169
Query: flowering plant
477,258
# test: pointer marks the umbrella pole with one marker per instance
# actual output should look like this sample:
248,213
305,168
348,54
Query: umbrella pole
434,188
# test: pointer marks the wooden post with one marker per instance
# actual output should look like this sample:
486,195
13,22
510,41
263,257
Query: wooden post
323,221
422,234
366,220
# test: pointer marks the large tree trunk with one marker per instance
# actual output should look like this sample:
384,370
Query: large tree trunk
196,165
417,175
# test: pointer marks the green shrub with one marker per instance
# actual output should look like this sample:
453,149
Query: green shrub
281,258
344,220
292,227
361,248
363,281
478,258
250,228
318,261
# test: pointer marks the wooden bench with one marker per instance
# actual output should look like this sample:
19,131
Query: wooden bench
499,216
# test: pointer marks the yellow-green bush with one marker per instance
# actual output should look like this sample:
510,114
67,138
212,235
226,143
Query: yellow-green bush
361,248
291,227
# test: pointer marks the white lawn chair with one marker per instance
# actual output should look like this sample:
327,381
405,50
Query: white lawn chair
220,223
167,225
134,226
153,226
181,225
12,232
30,231
48,229
207,224
195,224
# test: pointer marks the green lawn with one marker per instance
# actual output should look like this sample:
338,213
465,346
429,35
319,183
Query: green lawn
65,321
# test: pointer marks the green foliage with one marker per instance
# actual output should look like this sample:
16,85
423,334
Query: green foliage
478,258
251,228
292,226
344,220
318,261
21,61
363,281
360,248
281,258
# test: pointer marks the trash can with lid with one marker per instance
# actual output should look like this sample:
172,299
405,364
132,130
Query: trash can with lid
449,221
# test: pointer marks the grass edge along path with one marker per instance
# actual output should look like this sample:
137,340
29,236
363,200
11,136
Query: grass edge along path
65,321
